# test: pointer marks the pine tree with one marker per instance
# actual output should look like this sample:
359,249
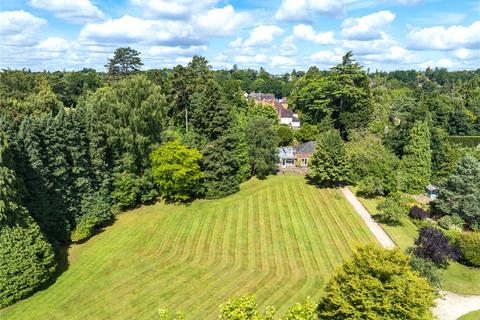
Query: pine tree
417,159
330,164
213,122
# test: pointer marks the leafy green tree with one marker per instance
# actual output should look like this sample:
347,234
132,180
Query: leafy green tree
176,170
377,284
262,146
244,308
26,258
307,132
285,135
372,176
310,96
417,159
124,61
392,210
330,164
126,190
460,193
126,119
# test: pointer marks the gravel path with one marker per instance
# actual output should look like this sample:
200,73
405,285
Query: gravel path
376,229
449,306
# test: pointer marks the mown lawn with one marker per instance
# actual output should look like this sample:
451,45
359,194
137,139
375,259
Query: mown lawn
280,239
455,278
474,315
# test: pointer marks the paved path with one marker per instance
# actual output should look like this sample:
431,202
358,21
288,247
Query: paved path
376,229
449,306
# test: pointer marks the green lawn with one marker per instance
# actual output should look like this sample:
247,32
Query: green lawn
456,278
280,239
474,315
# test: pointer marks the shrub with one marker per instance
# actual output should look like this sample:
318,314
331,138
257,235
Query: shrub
469,243
418,213
305,311
432,244
85,228
376,284
126,191
454,222
244,308
26,261
427,270
392,210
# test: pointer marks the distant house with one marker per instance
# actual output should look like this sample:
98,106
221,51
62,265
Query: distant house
298,156
432,191
285,115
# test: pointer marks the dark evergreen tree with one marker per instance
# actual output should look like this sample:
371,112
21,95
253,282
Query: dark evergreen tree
220,167
26,258
330,164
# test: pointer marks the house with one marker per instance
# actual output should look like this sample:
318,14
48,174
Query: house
298,156
432,191
285,115
286,156
304,152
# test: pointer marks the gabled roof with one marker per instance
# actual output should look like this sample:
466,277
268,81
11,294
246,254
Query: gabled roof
307,147
286,153
432,188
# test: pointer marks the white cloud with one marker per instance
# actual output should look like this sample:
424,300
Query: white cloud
370,47
307,10
409,2
177,9
220,21
129,29
367,27
441,38
19,28
176,51
77,11
260,36
250,60
306,32
53,44
327,57
282,62
466,54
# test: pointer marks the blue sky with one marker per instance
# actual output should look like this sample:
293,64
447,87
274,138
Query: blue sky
277,35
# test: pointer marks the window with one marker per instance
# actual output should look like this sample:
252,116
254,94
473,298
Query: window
304,161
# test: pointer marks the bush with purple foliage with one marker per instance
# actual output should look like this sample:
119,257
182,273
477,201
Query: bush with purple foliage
432,244
418,213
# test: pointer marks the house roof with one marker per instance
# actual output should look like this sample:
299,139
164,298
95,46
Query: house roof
432,188
307,147
286,113
286,153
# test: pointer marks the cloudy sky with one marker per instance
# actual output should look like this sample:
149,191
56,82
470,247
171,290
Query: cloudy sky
278,35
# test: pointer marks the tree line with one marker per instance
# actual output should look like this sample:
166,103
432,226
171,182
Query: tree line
76,145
